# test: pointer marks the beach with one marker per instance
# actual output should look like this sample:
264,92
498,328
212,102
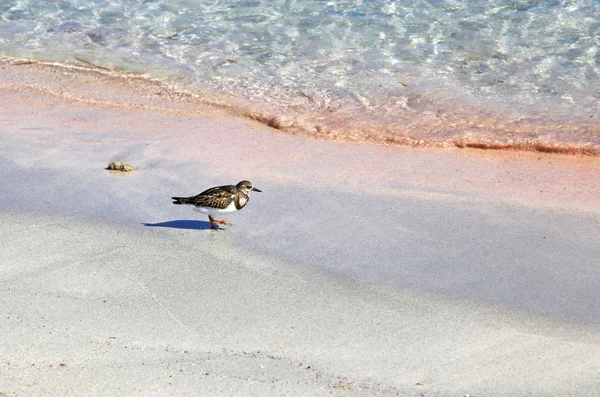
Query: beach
359,270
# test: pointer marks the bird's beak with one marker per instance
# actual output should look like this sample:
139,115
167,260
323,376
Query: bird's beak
256,190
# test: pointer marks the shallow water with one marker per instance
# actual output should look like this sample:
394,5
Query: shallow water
494,74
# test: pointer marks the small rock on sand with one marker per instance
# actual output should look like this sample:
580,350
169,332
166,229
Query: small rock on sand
118,166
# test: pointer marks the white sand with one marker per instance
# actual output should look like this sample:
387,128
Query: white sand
360,270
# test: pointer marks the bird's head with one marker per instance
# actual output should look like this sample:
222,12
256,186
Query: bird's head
246,186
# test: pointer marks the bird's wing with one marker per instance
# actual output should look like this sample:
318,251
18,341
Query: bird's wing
216,197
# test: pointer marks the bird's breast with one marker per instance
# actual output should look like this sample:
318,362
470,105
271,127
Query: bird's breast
240,201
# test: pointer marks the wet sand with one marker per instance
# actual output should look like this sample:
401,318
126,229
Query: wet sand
425,120
360,270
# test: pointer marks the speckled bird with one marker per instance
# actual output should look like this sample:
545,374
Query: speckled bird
219,200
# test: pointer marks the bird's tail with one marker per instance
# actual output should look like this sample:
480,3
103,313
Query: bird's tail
179,200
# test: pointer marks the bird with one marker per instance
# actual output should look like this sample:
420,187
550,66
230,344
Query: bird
219,200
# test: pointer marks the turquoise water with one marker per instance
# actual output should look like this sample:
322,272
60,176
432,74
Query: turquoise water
361,61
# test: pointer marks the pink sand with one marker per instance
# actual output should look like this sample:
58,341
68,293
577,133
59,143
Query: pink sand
360,269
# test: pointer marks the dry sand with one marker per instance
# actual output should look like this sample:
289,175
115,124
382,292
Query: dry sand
361,270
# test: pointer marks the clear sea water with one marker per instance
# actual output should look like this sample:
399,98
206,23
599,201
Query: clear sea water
421,69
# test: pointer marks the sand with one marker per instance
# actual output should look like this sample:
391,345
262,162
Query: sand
360,270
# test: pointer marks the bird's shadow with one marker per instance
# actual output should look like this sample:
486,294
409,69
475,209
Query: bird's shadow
181,224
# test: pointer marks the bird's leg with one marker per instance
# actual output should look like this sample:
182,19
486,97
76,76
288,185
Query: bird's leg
212,223
222,222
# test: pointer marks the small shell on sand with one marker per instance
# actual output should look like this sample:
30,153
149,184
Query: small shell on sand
118,166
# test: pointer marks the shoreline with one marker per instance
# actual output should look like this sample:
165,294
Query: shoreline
360,270
466,130
541,180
